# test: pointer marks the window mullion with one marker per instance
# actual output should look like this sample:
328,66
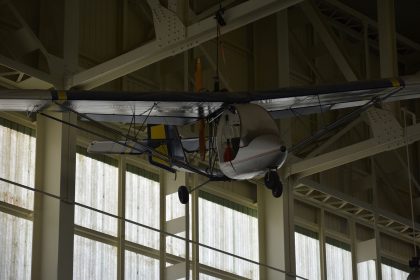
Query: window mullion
16,211
162,220
195,231
322,244
121,213
96,235
353,248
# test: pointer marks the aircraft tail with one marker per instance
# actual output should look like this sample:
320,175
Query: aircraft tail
172,147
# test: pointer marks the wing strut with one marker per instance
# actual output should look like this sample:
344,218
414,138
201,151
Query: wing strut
346,118
152,151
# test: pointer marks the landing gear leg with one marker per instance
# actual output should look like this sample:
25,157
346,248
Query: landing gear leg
272,182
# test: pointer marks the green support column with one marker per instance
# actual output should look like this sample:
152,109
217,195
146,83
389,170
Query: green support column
275,215
388,45
53,218
275,240
387,38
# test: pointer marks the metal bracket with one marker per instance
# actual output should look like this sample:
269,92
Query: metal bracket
168,27
384,126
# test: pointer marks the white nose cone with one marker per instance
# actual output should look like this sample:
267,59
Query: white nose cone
414,275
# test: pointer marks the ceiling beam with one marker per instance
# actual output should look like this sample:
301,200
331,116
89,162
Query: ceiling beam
172,38
365,19
71,36
41,80
329,39
389,222
387,135
26,35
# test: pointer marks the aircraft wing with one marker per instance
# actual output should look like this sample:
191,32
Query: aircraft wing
177,108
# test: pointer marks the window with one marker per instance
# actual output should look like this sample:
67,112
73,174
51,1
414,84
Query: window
307,254
94,260
207,277
17,163
15,247
230,227
140,267
393,271
142,206
174,209
338,262
366,270
97,187
97,239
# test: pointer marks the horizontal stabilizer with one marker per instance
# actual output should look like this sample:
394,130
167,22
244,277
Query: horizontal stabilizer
190,145
121,147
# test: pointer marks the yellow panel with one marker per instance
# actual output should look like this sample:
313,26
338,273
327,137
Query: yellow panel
158,132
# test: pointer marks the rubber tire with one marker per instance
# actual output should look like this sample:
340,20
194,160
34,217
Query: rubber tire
183,194
270,179
277,191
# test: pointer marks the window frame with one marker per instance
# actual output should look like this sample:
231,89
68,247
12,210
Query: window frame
15,211
235,206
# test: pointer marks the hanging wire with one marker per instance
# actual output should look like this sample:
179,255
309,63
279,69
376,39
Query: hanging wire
132,124
219,22
144,121
410,182
322,111
216,82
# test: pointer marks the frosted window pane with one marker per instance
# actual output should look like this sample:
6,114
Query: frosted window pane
392,273
15,247
176,246
307,257
142,206
17,163
366,270
207,277
140,267
181,278
174,209
231,231
338,263
94,260
96,186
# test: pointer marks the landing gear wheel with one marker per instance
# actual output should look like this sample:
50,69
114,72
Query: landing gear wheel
277,190
270,179
183,194
272,182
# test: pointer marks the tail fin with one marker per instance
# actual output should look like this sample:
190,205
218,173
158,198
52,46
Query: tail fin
171,147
